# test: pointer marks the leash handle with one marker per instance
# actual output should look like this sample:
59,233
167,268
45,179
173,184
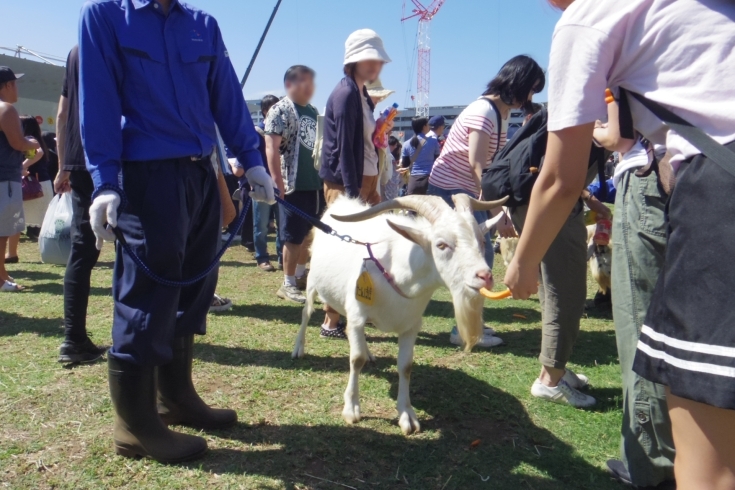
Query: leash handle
188,282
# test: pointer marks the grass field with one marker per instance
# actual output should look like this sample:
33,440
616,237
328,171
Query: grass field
55,422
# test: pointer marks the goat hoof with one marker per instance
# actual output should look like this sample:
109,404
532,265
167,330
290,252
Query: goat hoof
351,414
298,352
409,423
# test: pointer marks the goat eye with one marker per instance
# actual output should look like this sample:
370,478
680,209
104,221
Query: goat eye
442,246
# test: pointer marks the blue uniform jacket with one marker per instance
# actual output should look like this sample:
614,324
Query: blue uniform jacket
154,86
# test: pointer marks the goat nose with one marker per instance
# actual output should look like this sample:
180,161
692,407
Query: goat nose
487,278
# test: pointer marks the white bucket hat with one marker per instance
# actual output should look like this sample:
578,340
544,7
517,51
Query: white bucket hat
364,45
375,89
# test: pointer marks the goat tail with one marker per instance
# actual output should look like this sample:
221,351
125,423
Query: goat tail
468,313
306,312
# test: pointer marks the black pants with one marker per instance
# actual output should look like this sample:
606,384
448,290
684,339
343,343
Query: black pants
83,257
172,221
417,185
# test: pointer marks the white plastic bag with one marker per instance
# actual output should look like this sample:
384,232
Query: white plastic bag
54,240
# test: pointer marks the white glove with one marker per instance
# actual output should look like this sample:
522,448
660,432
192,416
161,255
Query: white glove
104,211
262,185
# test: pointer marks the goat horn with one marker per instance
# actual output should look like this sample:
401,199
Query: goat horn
486,225
430,207
478,205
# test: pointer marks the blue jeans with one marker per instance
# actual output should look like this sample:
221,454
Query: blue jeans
480,216
261,216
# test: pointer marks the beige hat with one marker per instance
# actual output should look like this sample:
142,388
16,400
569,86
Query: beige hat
376,90
364,45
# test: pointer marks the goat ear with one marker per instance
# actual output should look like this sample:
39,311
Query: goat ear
416,236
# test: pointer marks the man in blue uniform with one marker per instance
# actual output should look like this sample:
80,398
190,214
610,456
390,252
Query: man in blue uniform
155,79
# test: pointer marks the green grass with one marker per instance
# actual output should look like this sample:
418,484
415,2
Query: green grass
55,423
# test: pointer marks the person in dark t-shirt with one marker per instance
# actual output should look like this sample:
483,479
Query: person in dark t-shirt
73,177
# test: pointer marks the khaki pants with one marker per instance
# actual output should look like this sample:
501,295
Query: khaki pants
368,191
639,245
562,287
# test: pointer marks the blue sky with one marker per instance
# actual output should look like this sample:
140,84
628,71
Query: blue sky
471,39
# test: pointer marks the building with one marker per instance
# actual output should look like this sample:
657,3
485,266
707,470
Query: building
450,113
39,89
254,108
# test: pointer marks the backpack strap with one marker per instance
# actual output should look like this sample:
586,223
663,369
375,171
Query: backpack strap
499,127
417,150
716,152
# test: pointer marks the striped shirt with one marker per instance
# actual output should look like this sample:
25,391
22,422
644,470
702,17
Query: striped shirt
452,170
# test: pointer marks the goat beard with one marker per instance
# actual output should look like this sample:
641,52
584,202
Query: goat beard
468,313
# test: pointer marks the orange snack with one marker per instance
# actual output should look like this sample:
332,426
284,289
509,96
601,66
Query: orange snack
609,97
493,295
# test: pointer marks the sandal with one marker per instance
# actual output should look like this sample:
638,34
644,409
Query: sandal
337,333
12,260
11,287
220,304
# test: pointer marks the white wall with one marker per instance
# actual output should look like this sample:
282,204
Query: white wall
47,110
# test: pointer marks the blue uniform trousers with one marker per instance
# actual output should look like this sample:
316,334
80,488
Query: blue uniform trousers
172,221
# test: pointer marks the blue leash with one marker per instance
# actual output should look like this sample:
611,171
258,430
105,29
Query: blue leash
188,282
215,263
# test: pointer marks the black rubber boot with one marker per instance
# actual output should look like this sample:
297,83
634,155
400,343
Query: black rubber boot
139,430
178,401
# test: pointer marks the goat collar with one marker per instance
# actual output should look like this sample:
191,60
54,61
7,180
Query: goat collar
387,275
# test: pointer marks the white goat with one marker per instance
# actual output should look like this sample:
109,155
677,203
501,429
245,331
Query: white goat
439,247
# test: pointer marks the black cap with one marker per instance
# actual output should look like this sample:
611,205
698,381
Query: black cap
7,75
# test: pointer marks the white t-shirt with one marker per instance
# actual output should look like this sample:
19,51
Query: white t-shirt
452,169
371,157
635,158
679,53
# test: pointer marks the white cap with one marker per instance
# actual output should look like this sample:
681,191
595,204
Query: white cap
364,45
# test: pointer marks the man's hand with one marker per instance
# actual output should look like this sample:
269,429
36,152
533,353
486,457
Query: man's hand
521,280
598,207
261,184
505,227
61,182
104,211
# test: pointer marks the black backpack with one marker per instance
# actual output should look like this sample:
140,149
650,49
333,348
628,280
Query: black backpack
515,168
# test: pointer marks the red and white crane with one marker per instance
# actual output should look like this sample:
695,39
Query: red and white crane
425,15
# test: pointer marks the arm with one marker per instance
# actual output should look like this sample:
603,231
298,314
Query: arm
608,136
236,168
228,207
595,205
30,161
557,189
229,109
100,106
273,152
344,115
479,142
61,183
10,125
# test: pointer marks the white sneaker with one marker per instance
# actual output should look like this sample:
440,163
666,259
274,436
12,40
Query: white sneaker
488,338
562,393
576,381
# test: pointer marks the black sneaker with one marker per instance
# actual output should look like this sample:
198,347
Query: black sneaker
80,352
337,333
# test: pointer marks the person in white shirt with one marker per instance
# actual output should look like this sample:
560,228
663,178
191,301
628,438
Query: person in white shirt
678,53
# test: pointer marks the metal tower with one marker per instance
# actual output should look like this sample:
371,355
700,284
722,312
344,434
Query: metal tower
423,77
